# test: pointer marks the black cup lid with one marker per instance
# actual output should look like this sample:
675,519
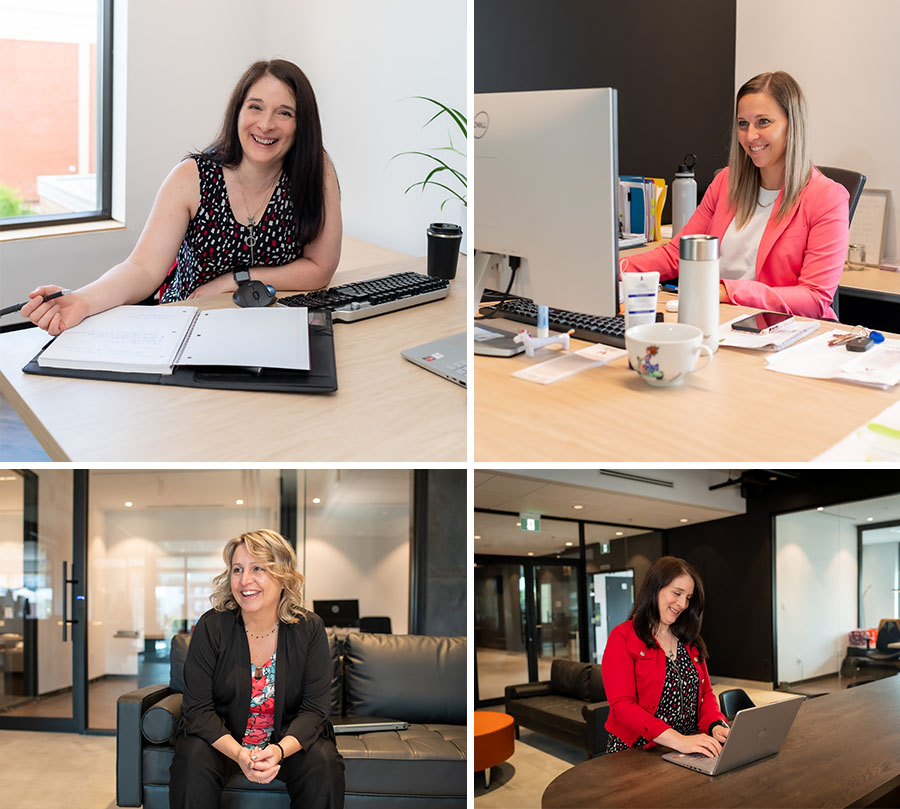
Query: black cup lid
444,229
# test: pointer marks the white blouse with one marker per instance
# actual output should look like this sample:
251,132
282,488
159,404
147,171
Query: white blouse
739,247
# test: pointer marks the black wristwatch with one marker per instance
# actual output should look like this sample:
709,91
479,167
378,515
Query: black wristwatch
241,275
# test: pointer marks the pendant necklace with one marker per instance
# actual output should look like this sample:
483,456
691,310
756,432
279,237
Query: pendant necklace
250,238
258,670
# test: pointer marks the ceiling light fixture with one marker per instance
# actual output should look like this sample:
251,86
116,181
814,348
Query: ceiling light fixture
620,533
239,502
578,508
531,553
317,500
683,519
821,508
128,504
869,519
569,544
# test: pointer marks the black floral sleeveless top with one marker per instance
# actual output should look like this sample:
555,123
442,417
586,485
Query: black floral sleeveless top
215,242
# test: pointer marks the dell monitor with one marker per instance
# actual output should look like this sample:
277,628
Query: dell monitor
338,613
546,186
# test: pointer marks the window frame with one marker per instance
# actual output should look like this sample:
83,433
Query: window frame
104,138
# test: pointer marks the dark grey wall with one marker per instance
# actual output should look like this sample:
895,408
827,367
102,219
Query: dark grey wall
672,64
438,555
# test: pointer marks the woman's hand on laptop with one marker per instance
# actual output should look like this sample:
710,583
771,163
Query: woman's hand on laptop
698,743
720,733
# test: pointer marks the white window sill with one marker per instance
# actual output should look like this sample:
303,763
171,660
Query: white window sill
39,232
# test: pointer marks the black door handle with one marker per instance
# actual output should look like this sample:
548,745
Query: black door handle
65,601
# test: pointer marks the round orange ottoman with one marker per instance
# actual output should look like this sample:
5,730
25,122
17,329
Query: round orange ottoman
495,741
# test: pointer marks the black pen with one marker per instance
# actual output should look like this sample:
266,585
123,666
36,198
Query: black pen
16,307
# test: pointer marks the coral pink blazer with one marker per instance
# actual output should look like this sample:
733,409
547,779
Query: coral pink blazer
633,678
800,258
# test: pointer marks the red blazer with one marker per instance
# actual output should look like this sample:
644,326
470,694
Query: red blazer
633,677
800,258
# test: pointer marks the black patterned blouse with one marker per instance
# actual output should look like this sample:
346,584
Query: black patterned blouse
215,242
678,703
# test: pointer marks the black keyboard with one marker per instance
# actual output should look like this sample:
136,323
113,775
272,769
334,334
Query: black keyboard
607,330
375,296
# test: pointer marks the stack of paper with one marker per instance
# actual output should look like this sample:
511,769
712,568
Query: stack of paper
776,340
875,440
879,366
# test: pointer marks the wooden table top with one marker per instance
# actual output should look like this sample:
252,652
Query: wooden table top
732,411
843,750
385,409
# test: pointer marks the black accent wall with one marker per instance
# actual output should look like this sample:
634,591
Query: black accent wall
672,64
735,559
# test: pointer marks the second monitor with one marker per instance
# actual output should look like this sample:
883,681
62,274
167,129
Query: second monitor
546,168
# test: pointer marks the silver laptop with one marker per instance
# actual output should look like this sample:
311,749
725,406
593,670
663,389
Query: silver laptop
755,733
366,724
445,357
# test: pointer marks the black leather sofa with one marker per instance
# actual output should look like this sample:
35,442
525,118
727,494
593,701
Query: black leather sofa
418,679
571,706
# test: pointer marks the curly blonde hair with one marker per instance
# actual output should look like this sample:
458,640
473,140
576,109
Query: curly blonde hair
278,558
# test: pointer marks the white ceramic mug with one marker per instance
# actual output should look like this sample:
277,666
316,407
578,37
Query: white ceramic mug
665,353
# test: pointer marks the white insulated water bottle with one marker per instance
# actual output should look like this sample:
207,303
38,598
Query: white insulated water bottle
684,194
698,285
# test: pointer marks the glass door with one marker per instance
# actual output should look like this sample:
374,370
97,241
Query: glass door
41,601
556,604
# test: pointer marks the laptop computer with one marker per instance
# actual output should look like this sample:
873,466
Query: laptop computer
493,342
366,724
755,733
445,357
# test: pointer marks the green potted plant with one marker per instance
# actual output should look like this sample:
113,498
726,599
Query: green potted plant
444,239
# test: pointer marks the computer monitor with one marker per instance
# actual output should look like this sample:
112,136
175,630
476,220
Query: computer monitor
338,613
546,183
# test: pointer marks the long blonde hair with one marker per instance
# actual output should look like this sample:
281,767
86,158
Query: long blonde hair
743,176
280,562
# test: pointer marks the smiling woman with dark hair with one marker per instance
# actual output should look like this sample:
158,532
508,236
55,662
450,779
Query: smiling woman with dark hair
260,203
654,668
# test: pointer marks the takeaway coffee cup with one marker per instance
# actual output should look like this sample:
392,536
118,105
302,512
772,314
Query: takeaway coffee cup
443,249
665,353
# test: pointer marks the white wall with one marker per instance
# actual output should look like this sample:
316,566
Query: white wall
363,60
177,63
844,55
879,578
816,592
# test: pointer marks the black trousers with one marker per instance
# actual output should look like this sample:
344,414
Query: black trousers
314,776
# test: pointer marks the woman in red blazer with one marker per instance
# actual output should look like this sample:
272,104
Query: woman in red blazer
654,669
783,227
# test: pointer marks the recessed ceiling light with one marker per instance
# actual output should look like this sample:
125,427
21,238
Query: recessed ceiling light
128,504
869,519
620,533
531,553
773,478
477,536
683,519
317,500
518,525
239,502
821,508
577,507
569,544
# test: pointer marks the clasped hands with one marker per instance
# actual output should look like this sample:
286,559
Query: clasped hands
260,764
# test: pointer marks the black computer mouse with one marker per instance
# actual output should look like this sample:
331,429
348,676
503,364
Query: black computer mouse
254,293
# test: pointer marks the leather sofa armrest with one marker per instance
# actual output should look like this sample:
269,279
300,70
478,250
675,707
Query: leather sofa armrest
527,690
595,716
130,708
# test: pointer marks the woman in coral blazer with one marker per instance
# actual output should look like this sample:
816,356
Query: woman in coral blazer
654,669
783,227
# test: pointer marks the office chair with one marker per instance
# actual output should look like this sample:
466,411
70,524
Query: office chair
734,700
378,625
853,181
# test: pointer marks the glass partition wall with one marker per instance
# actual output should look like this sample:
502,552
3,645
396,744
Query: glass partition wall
544,595
100,569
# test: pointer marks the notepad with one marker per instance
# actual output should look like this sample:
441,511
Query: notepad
157,339
775,340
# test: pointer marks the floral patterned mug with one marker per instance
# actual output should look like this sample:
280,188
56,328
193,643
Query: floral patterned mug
665,353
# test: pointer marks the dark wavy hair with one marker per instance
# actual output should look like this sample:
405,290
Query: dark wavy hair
304,163
645,615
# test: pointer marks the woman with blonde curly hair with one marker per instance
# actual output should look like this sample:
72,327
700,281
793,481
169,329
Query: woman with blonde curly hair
237,715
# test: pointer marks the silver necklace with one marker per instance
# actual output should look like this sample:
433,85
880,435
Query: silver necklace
264,635
670,655
768,204
250,238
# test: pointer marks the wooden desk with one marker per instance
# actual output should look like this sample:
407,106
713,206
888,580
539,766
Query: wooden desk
732,411
843,750
871,283
385,409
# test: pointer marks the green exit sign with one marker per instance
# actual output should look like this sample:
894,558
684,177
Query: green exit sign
530,521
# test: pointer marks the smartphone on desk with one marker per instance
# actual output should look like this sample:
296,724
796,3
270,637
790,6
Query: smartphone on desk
762,322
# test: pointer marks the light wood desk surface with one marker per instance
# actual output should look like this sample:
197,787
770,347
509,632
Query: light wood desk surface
732,411
872,283
386,409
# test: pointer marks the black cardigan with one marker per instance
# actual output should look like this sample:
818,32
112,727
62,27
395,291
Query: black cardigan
217,679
